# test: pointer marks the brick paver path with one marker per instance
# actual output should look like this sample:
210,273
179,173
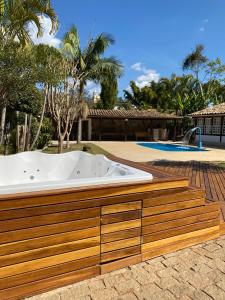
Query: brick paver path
196,273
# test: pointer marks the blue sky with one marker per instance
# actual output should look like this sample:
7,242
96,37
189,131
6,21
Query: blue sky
153,35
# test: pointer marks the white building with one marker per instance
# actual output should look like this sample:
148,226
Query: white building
212,122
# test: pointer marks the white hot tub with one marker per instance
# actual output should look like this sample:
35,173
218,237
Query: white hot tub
36,171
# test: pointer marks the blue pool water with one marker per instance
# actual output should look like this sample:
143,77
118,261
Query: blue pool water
170,147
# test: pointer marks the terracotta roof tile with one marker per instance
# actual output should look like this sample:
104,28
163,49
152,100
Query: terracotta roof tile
218,109
130,114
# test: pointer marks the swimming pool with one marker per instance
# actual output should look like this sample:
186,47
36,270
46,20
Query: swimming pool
170,147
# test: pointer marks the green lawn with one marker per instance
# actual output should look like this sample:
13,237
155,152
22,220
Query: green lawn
91,148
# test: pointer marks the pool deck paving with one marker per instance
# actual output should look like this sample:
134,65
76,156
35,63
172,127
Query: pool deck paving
133,151
195,273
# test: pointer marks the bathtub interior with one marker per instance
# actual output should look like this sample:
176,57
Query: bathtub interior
37,167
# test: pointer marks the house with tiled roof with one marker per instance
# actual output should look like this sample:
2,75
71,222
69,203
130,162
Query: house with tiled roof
211,120
115,124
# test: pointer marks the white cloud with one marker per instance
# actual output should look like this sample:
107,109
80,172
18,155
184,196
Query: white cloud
92,87
137,66
203,25
147,76
47,38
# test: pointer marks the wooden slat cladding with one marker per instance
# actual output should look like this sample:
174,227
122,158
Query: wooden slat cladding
116,208
159,209
175,197
33,265
121,263
120,226
26,200
164,217
56,218
120,235
121,253
49,251
49,239
120,245
149,229
29,233
179,230
177,238
49,283
181,242
55,270
124,216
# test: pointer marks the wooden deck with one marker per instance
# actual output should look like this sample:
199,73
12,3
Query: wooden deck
201,175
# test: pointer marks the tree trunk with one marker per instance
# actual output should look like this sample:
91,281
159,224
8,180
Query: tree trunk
2,125
60,144
24,133
67,140
17,133
79,130
27,145
41,120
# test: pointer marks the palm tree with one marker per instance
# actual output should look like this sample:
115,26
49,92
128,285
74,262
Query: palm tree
15,16
89,64
195,60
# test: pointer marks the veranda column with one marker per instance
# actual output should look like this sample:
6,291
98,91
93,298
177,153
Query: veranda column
89,129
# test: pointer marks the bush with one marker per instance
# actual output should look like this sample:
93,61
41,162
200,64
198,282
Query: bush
45,135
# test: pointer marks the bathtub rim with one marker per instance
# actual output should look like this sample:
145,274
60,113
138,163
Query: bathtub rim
158,178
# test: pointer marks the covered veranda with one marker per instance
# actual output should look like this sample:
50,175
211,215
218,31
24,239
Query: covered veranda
130,125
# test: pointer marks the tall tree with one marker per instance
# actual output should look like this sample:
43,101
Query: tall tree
195,61
88,63
109,94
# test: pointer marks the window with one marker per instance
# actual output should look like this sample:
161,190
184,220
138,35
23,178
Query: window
200,123
216,125
208,126
223,127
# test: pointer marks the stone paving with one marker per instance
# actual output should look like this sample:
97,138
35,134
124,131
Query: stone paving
195,273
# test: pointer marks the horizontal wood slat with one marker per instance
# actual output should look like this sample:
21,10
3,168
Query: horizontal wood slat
121,253
120,245
120,226
24,200
172,239
49,240
49,283
154,210
48,261
171,198
48,219
122,263
120,235
110,209
48,251
212,207
180,244
23,234
119,217
43,273
179,222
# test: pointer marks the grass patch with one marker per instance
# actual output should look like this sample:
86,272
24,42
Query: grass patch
91,148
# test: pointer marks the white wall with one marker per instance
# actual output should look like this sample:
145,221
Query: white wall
211,138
